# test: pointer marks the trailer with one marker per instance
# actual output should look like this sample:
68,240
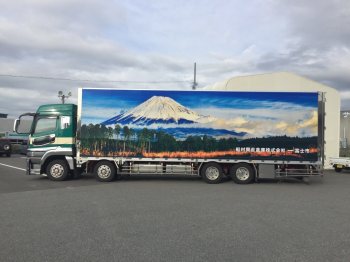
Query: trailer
212,134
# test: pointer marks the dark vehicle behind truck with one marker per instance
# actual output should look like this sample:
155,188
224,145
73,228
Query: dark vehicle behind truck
5,147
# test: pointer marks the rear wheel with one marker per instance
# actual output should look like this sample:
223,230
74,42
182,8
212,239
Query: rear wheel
212,173
57,170
242,173
105,171
338,169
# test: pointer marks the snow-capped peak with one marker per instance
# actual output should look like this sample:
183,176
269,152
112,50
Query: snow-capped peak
160,110
160,107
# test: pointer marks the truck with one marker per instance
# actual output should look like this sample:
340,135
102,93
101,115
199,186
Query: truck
340,163
5,147
112,133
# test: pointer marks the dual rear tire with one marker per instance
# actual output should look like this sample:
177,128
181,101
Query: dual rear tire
241,173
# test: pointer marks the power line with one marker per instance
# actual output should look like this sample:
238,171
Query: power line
90,80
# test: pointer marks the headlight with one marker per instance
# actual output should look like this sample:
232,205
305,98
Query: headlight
6,147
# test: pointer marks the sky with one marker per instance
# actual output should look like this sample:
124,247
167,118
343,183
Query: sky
154,44
264,114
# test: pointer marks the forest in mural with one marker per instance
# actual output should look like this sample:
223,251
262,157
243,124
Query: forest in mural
183,124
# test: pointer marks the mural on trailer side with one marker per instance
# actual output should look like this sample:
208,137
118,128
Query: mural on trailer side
199,124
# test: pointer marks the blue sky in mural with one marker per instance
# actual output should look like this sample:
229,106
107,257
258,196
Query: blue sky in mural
234,100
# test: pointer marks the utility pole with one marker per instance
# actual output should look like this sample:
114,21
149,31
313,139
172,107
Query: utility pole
63,97
344,141
194,85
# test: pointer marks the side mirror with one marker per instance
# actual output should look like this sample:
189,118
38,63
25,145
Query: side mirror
16,124
23,124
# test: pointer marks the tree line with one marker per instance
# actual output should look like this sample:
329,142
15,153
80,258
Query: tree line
125,139
279,141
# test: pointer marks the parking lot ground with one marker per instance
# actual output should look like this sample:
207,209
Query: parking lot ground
172,219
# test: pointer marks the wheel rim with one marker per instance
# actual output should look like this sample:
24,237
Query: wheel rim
57,170
242,173
212,173
104,171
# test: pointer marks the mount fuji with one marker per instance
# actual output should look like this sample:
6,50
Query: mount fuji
158,110
166,114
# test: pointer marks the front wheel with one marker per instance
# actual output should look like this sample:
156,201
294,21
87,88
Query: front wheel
212,173
57,170
242,173
104,171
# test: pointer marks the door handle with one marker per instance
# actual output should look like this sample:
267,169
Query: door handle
43,140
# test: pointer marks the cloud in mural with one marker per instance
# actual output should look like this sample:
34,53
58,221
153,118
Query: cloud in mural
298,124
303,127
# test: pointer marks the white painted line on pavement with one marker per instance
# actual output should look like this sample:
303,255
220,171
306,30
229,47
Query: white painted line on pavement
13,167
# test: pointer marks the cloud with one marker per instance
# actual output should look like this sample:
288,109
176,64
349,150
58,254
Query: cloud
306,127
296,121
319,26
159,41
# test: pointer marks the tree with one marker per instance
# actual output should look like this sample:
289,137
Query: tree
126,133
110,143
110,132
132,135
117,130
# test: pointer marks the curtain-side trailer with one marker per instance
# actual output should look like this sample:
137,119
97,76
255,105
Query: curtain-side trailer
211,134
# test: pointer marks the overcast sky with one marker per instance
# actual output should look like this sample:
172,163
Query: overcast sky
148,41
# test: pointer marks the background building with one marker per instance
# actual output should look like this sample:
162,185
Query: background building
6,126
288,82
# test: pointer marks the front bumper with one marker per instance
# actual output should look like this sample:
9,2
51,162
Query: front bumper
34,162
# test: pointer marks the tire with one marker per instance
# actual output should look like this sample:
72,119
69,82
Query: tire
338,169
242,173
105,171
57,170
212,173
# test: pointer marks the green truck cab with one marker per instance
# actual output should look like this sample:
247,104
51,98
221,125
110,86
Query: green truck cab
51,143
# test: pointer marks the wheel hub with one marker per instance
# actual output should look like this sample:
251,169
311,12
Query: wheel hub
212,173
242,173
57,171
104,171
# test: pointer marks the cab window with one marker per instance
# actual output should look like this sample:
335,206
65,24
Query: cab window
45,125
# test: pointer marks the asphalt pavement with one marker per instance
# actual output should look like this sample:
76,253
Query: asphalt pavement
171,219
